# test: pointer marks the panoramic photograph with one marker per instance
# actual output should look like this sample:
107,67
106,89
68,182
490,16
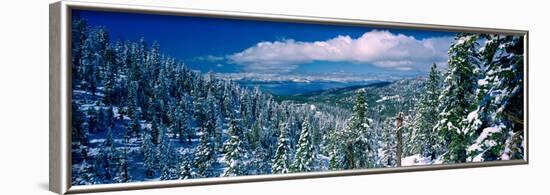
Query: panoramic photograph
161,97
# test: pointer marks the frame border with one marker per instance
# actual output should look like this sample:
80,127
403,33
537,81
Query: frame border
60,94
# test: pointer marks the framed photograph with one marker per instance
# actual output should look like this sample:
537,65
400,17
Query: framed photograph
148,97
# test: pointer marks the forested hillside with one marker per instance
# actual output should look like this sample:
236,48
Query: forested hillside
139,115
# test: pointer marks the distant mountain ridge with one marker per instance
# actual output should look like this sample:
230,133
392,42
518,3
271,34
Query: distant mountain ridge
345,89
290,88
383,98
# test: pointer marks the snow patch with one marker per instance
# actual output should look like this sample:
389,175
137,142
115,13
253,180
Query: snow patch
312,107
482,82
416,159
384,98
486,132
472,115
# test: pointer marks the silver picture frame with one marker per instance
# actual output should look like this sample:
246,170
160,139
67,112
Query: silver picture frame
60,95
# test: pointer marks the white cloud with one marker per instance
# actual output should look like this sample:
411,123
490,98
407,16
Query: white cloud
209,58
380,48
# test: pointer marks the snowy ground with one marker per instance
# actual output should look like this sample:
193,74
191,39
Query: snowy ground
417,159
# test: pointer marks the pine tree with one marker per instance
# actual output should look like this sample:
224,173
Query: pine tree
110,116
305,156
499,115
281,161
228,105
168,158
103,164
188,129
112,156
261,162
457,98
109,80
185,169
213,120
104,120
235,151
155,132
334,150
79,31
357,146
254,135
88,61
93,126
205,155
109,141
133,111
389,144
77,124
180,121
88,174
150,155
123,173
423,140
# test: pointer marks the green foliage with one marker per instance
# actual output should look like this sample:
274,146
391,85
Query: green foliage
205,155
281,161
499,114
186,170
235,151
150,155
424,140
458,97
123,173
356,143
304,157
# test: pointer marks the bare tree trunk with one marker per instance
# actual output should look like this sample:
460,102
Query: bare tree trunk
399,124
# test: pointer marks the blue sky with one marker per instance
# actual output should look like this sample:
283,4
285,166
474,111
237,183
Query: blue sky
263,49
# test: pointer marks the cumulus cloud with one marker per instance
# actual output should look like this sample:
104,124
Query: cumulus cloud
379,48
